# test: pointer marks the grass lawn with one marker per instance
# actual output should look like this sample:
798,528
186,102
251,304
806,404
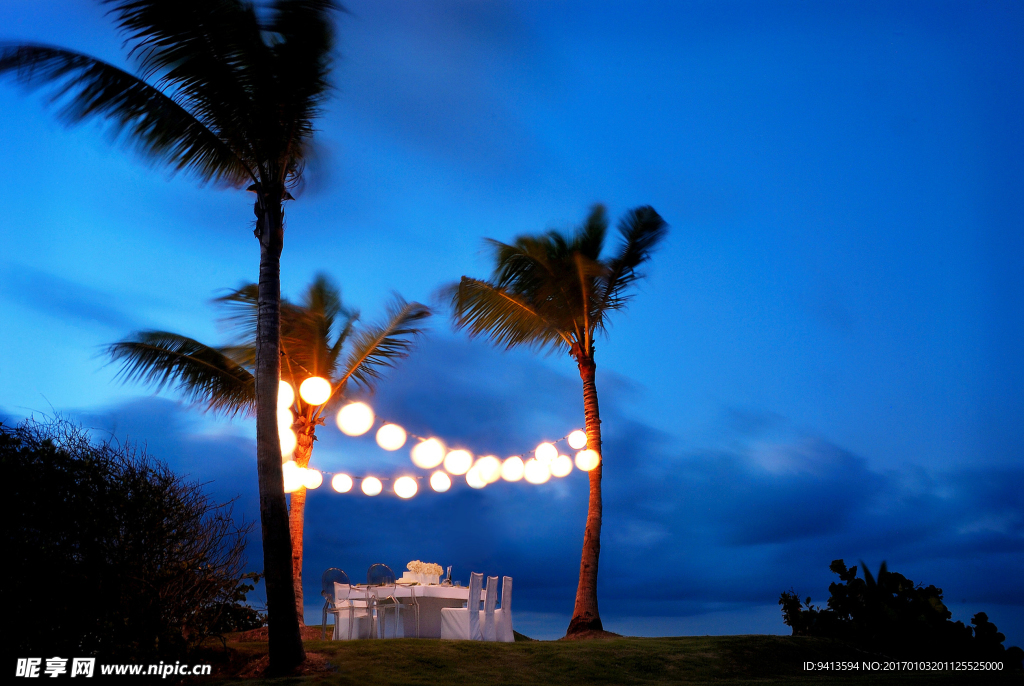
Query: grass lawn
707,659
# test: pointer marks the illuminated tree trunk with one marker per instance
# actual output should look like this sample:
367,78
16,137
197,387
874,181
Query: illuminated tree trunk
284,638
585,616
296,520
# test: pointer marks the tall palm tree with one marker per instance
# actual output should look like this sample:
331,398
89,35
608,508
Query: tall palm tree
319,337
228,93
554,292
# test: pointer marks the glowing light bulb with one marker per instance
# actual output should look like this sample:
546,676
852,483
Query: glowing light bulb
372,486
285,394
440,481
342,483
428,454
315,390
587,459
406,487
292,474
545,452
489,468
561,466
285,419
577,439
474,479
536,471
355,419
288,441
391,437
312,479
458,461
512,469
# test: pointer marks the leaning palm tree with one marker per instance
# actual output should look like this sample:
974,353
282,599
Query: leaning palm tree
229,93
319,337
554,292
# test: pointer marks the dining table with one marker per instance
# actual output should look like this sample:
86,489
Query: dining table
430,599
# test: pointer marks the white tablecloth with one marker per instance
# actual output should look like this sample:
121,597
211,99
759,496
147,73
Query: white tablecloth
431,599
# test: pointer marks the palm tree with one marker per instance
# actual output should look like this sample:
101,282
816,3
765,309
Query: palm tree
554,292
319,337
228,93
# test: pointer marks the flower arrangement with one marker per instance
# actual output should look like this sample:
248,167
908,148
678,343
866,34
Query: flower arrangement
428,568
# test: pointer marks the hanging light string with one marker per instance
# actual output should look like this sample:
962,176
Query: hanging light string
357,418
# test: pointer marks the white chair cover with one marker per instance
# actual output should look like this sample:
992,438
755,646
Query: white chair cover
464,623
503,617
490,600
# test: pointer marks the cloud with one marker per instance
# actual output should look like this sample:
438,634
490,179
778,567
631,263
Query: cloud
447,78
685,533
62,298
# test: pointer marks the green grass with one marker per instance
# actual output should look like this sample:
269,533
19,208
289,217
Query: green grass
709,659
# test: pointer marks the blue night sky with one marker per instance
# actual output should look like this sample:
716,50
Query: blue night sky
825,361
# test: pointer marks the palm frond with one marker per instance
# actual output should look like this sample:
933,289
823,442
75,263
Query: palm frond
242,310
485,309
211,54
139,116
642,229
198,373
377,348
308,328
302,59
589,238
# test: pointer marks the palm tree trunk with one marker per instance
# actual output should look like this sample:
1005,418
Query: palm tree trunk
285,640
585,616
296,520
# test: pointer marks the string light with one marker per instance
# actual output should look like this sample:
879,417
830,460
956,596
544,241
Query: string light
577,439
458,462
372,486
285,394
289,441
536,471
561,466
342,483
315,390
474,479
512,468
292,476
489,468
545,452
355,419
391,436
406,487
428,454
285,419
440,481
587,459
311,478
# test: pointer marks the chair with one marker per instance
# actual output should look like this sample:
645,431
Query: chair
490,599
503,616
464,623
358,609
327,581
381,582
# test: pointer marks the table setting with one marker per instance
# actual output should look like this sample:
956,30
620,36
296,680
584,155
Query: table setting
418,605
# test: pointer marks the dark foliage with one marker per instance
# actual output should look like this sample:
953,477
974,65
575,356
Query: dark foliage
109,553
892,615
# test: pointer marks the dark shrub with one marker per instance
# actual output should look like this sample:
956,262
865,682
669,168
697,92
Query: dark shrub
892,615
109,553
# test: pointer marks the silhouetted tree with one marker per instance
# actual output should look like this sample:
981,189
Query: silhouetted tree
228,92
109,552
892,615
554,291
319,337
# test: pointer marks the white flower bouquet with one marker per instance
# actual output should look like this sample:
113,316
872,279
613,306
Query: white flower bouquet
423,572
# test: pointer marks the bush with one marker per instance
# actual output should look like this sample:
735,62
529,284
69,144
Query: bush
894,616
110,553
